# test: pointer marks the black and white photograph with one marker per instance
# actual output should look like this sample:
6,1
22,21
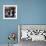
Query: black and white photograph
9,11
29,35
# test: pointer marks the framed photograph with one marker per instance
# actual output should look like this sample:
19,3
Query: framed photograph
33,32
9,11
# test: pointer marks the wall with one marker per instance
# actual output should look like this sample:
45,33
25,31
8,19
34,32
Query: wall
28,12
7,26
34,12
